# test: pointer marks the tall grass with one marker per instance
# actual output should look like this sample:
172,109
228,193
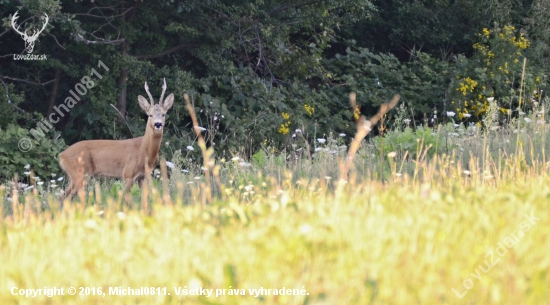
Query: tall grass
459,219
399,230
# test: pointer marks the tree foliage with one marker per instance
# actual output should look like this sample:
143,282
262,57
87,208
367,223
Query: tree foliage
255,70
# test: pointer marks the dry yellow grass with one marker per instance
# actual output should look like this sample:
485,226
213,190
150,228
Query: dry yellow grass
368,243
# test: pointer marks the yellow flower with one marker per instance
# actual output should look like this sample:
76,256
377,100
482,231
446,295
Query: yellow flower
284,129
309,109
285,115
356,113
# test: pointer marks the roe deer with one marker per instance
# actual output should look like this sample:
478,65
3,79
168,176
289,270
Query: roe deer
125,159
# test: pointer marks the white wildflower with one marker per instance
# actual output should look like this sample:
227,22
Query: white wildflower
27,166
170,164
190,148
450,114
305,229
342,135
392,154
466,115
200,128
321,140
490,99
60,179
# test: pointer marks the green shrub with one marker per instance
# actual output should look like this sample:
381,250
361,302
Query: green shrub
19,148
410,140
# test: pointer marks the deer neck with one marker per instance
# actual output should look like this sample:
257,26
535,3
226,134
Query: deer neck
150,144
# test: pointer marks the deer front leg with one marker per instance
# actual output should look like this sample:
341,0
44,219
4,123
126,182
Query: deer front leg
129,179
141,181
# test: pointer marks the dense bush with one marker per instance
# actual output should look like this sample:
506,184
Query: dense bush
20,153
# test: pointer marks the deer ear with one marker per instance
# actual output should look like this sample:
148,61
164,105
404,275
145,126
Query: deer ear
143,103
168,102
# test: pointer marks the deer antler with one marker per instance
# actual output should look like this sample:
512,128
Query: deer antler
163,91
149,94
13,25
364,126
36,33
43,26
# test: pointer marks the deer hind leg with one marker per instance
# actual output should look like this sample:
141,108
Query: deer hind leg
66,193
76,185
75,172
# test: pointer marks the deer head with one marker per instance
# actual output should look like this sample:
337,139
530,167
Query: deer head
156,112
29,40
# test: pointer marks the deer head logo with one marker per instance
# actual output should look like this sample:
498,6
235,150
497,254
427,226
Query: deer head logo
29,39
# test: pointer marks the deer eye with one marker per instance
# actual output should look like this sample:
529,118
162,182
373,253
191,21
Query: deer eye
163,115
150,115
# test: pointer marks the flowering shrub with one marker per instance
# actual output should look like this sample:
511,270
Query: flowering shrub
495,70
